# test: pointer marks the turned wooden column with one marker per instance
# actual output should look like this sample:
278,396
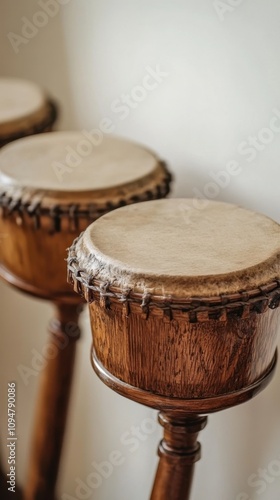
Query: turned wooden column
184,316
52,404
178,451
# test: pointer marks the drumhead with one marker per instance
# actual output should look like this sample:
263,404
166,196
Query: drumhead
19,99
70,161
170,247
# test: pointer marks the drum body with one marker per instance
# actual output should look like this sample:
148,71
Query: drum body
178,358
198,352
24,110
37,225
34,258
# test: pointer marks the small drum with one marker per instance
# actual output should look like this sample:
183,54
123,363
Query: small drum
24,110
45,202
184,308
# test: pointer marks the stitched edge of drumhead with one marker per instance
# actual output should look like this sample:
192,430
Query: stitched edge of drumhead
197,309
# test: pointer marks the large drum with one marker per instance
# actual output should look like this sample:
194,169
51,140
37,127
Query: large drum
25,110
184,308
52,186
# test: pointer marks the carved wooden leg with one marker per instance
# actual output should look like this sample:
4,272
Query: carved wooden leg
178,451
52,405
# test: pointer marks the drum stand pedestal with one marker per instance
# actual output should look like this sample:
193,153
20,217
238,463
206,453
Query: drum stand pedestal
54,389
178,452
52,403
179,449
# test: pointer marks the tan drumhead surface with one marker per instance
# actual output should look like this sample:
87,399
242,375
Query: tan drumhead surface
171,247
68,161
18,99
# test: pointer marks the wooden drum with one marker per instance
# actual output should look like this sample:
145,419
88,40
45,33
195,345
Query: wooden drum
184,308
24,110
51,187
45,203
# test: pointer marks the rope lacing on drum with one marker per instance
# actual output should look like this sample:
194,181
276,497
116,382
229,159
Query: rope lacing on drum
275,302
73,218
90,211
197,309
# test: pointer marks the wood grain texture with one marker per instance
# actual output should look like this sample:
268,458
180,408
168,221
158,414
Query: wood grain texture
35,256
178,452
184,360
187,333
184,369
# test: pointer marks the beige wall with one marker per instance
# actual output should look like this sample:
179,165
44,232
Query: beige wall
221,85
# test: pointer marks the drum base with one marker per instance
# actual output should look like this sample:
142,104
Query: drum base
184,406
29,289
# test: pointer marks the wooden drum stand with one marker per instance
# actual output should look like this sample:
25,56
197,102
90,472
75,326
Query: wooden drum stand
184,308
24,110
45,203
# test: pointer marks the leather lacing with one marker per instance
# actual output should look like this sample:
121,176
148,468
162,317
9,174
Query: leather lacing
196,309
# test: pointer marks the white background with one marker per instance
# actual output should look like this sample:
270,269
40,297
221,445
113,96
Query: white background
222,86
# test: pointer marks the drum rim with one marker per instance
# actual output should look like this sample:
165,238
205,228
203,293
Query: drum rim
52,113
197,308
12,201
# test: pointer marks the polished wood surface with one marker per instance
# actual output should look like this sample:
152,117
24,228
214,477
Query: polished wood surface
178,452
35,258
178,359
183,369
52,404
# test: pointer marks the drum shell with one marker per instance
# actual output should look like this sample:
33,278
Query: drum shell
178,359
34,258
